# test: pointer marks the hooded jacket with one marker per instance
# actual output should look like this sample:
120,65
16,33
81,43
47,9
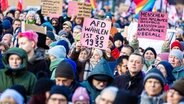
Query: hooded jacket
102,68
10,77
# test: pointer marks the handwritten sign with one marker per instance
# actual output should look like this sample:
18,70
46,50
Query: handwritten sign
80,9
152,25
51,7
95,33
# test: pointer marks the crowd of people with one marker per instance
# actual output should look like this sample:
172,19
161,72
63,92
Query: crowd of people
54,68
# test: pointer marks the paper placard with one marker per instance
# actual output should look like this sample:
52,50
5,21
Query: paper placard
95,33
33,27
52,8
80,9
152,25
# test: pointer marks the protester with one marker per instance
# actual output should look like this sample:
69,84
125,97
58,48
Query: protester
15,72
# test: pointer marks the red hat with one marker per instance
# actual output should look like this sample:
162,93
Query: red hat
176,43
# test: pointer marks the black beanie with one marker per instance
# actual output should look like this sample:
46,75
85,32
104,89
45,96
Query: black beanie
179,86
156,74
43,85
20,89
152,50
65,70
61,90
118,36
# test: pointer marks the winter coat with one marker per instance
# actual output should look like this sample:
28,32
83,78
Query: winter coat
102,68
178,72
38,65
133,84
10,77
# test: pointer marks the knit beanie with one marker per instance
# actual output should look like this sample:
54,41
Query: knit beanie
170,77
179,86
21,90
164,56
156,74
61,90
152,50
65,44
6,24
63,32
177,53
43,85
14,94
176,43
50,34
57,51
65,70
118,36
80,94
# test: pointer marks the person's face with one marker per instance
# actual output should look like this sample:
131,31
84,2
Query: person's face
14,61
22,16
176,47
83,55
48,41
125,51
122,68
7,39
16,24
173,97
153,87
110,44
31,17
174,61
82,102
118,43
54,23
78,20
17,14
25,44
162,69
135,64
100,85
149,55
106,98
66,28
96,56
57,99
76,32
63,81
8,100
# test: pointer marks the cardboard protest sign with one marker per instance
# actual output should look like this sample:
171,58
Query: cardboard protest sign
52,8
80,9
95,33
33,27
152,25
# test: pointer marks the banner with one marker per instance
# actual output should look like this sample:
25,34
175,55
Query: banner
80,9
152,25
95,33
51,8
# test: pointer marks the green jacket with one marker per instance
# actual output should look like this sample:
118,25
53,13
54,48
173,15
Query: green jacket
178,72
102,68
10,77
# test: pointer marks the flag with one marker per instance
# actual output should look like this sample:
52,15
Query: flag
4,5
143,5
19,5
93,4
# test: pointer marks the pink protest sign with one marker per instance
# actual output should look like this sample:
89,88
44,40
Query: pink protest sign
73,8
152,25
95,33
